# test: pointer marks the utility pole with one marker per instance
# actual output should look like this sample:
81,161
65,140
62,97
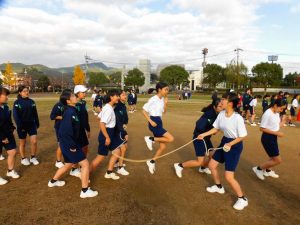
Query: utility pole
237,50
122,77
87,59
204,52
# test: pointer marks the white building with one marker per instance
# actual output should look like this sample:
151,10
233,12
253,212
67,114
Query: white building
196,79
145,67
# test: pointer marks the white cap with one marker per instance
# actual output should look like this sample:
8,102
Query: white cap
231,90
80,88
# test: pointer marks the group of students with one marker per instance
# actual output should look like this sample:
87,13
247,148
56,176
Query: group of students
73,131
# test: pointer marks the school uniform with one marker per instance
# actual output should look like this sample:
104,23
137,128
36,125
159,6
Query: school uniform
134,98
6,129
294,107
252,105
130,99
84,122
98,102
155,108
57,110
107,116
265,105
232,127
246,101
204,124
271,121
68,134
26,117
285,101
121,119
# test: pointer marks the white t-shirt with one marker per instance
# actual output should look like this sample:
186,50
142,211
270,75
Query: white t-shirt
253,102
270,120
94,96
155,106
232,127
295,103
107,116
133,95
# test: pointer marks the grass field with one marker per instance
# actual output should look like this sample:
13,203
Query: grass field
162,198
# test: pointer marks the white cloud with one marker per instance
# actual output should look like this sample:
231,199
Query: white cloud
295,8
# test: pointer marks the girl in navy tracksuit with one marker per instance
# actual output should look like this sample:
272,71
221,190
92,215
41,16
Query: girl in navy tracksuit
27,121
204,124
131,101
7,139
109,139
98,103
70,145
121,125
232,124
265,103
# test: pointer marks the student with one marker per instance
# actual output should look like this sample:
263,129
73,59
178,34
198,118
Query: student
269,127
93,97
273,98
205,123
69,132
246,101
7,139
285,119
131,101
240,103
56,115
153,110
121,125
134,100
27,121
233,127
294,108
265,103
108,139
98,103
252,106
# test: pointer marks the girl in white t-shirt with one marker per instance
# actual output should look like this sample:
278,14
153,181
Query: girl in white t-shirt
153,110
232,125
270,125
294,109
252,105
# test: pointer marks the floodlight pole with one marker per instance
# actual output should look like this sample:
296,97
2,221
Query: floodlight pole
237,50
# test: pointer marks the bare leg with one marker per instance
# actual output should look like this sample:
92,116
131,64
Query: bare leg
193,163
162,147
213,166
22,147
229,175
11,159
167,138
85,173
113,159
33,144
96,162
62,171
123,151
58,154
274,161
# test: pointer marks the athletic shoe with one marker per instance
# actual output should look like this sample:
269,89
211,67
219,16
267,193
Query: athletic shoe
149,142
3,181
58,183
178,170
34,161
205,170
59,164
270,174
215,189
151,167
123,172
117,165
25,162
240,204
88,194
253,124
259,173
111,176
2,157
258,123
13,174
292,125
75,173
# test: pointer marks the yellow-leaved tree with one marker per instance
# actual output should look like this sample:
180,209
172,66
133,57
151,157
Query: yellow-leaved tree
8,76
78,77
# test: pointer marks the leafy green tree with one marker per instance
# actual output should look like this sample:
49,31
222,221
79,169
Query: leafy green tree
97,78
116,77
213,75
291,79
236,76
43,82
174,75
135,78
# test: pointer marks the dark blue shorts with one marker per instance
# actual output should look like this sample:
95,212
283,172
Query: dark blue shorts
130,103
72,155
157,131
199,147
231,158
11,145
83,139
56,132
251,109
115,138
293,112
246,107
270,144
30,130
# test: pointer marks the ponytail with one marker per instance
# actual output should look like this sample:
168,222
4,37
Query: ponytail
211,106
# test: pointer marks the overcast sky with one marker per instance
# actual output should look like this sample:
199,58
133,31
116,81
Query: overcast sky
59,32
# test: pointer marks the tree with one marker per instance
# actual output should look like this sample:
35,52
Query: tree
153,78
266,74
135,78
213,75
43,82
8,76
79,76
236,77
116,77
174,75
97,78
291,79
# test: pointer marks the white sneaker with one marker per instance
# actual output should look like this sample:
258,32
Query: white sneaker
123,172
75,173
215,189
292,125
13,174
2,157
205,170
88,194
3,181
271,174
58,183
149,143
25,162
178,170
34,161
259,173
151,167
253,124
117,165
59,164
240,204
111,176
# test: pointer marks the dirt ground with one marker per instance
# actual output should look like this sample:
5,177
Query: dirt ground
162,198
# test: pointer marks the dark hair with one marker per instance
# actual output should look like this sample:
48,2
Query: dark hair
211,106
233,98
286,93
111,93
248,89
121,91
266,96
160,85
294,97
278,102
65,96
4,91
21,88
280,92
